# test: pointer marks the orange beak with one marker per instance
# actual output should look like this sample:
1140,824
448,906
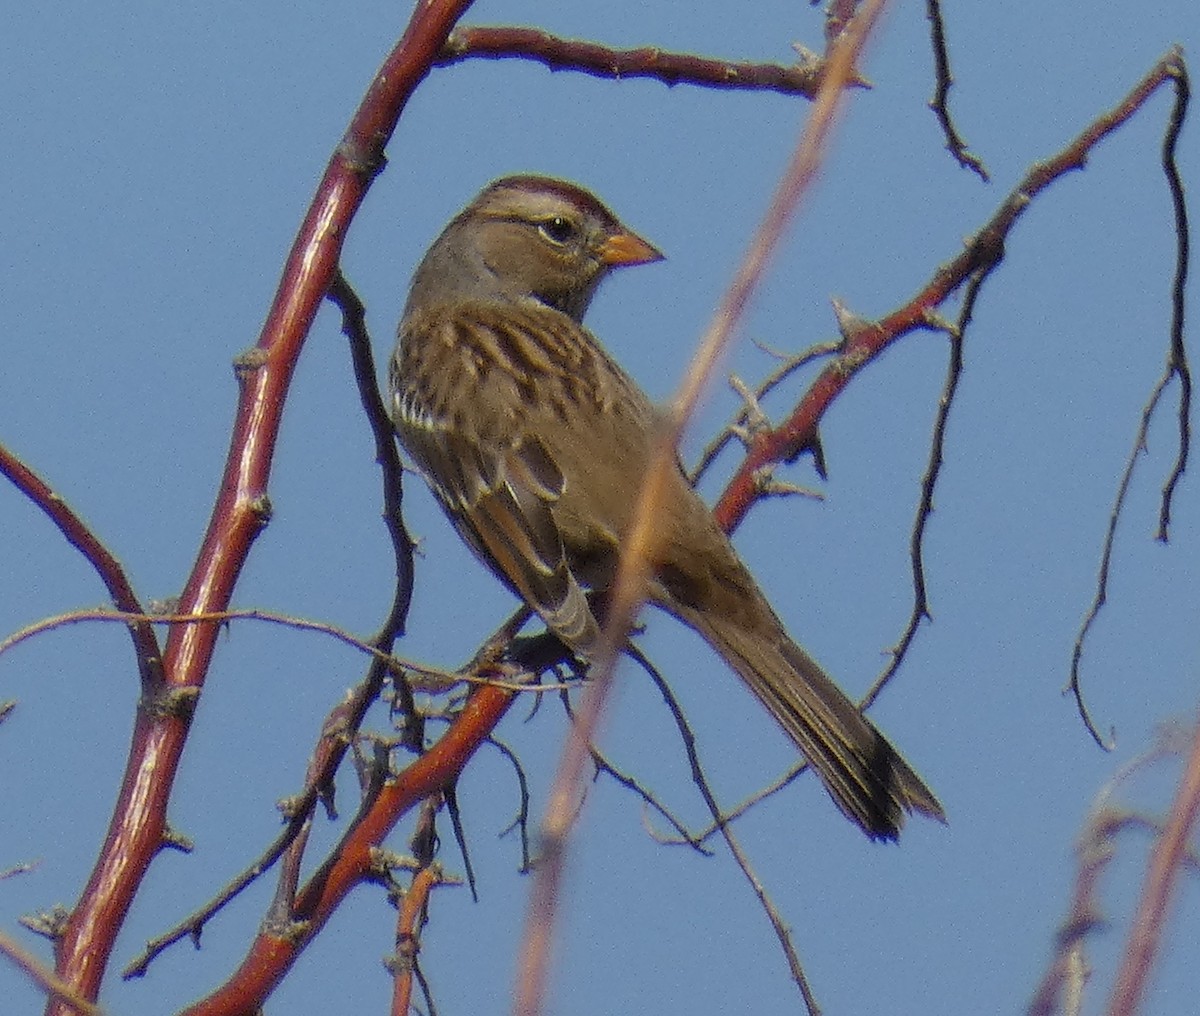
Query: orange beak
628,249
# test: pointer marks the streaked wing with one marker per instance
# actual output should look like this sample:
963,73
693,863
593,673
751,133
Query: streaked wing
498,484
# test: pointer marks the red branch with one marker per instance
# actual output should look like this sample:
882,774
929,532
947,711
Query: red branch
275,949
408,937
865,341
801,78
136,829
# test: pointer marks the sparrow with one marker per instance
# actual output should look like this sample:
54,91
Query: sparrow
535,442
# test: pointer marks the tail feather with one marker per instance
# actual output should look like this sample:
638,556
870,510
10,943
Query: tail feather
866,777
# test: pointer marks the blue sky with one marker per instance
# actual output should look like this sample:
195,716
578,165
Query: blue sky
159,160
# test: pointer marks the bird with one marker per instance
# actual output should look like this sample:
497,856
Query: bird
534,441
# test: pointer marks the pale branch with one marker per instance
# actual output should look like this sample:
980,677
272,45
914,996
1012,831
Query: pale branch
46,979
1096,848
639,544
1170,848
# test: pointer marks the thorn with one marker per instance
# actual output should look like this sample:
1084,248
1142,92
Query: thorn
935,321
818,454
768,486
849,324
172,839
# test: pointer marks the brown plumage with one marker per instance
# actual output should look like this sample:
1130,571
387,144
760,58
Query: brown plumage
535,442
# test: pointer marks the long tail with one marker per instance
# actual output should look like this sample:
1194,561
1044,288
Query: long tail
864,774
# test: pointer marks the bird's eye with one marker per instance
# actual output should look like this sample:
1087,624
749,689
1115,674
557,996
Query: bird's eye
557,229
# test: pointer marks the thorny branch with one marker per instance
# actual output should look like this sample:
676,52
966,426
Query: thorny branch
242,508
802,78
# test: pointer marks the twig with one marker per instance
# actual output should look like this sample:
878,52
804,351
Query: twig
920,608
604,766
736,812
424,677
81,537
520,821
940,101
1171,67
722,824
1177,361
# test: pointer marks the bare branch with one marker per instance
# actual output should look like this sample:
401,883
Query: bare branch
495,43
980,255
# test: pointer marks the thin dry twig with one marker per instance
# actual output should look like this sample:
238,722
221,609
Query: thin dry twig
1170,68
722,824
94,551
940,103
604,766
737,811
520,821
422,676
920,608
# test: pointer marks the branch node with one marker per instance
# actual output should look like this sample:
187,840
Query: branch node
172,839
172,703
246,363
935,321
47,923
260,508
755,419
364,160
